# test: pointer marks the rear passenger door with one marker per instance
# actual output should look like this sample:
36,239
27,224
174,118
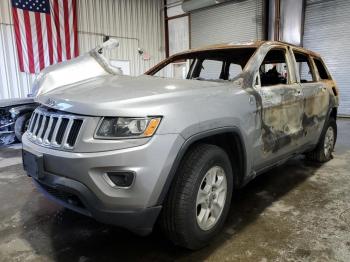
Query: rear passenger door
316,96
282,106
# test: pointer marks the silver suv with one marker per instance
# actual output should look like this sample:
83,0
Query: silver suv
173,144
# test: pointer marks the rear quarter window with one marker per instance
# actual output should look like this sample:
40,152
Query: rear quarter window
322,71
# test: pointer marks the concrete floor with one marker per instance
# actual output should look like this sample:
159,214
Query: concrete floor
297,212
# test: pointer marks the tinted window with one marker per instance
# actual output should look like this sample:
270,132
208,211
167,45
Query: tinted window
321,69
274,69
304,68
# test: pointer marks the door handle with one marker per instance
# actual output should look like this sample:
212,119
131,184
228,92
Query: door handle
299,92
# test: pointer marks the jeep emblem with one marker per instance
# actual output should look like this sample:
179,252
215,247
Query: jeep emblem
51,102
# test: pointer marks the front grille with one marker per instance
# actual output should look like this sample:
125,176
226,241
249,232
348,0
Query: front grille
54,128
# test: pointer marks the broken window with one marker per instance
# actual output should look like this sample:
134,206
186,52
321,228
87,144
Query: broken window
215,70
304,67
274,69
321,69
234,70
211,70
211,65
177,69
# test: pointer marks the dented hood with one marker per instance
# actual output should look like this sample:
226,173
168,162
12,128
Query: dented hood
111,95
87,66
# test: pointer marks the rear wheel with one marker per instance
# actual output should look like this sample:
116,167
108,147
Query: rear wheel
323,152
21,125
199,200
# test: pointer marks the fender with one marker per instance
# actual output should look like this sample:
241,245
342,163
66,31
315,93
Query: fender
190,141
328,116
21,109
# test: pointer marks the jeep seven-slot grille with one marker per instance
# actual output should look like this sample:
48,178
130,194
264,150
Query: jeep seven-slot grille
53,128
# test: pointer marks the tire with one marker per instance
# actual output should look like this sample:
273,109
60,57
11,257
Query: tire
184,205
323,151
21,125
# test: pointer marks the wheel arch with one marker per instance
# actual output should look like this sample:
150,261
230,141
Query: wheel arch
333,113
236,152
22,109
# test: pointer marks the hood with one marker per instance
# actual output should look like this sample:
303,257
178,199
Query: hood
86,66
112,94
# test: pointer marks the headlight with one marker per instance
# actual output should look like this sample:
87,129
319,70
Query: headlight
121,127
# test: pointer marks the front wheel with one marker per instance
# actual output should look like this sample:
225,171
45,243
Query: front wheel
199,200
21,125
323,152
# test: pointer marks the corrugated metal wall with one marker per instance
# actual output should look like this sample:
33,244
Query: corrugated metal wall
137,23
240,21
327,32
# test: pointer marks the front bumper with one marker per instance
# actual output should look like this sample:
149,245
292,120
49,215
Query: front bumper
76,180
77,197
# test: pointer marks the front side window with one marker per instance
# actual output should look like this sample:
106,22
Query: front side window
304,68
210,65
274,68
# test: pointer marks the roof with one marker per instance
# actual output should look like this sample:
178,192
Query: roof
253,44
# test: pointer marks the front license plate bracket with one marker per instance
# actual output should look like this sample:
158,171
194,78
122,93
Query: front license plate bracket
33,164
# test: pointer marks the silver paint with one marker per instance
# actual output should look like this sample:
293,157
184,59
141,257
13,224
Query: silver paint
275,122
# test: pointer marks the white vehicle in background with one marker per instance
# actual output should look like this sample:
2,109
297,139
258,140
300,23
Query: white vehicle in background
14,118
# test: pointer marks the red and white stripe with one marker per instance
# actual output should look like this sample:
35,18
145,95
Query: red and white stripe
44,39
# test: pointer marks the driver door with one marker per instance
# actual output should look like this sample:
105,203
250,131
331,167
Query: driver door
281,107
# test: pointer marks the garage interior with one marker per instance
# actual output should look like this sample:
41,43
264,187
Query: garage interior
299,211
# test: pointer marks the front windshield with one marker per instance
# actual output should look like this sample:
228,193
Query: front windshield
209,65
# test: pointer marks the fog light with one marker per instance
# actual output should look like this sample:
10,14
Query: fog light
120,179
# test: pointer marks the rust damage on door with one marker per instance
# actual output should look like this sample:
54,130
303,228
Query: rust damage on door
279,130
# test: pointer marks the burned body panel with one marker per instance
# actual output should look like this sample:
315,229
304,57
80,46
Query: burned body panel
287,117
291,114
281,117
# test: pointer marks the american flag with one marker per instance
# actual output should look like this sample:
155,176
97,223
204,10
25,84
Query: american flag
45,31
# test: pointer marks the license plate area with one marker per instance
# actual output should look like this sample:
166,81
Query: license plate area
33,164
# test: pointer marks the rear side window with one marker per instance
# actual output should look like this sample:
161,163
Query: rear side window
321,69
304,68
